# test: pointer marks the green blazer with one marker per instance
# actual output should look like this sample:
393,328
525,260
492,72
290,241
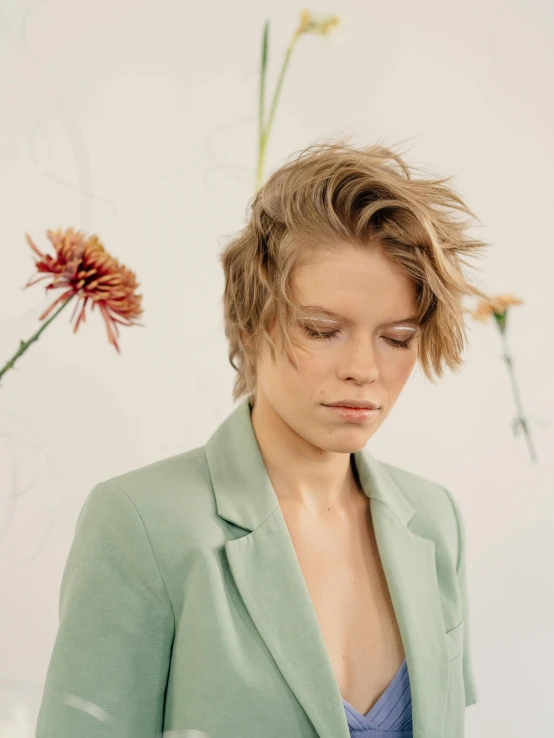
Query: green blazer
183,606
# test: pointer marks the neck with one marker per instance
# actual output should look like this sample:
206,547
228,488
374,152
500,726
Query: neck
303,475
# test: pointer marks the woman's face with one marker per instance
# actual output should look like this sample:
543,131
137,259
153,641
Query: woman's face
357,359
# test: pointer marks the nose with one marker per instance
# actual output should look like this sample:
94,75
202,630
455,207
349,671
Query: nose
359,362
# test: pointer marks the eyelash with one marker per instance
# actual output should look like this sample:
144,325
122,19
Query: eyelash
319,334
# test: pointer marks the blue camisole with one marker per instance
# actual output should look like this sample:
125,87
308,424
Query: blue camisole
390,716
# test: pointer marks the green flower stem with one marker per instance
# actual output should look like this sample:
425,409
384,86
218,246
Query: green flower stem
261,101
24,345
520,420
264,132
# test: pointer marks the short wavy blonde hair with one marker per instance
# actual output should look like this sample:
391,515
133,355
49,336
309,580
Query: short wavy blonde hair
334,193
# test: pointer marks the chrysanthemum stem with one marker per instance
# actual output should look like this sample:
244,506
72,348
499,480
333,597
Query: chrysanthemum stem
24,345
522,422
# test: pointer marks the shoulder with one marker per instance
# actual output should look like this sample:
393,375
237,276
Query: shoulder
174,491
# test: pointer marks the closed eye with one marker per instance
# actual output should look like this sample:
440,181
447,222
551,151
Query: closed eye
329,334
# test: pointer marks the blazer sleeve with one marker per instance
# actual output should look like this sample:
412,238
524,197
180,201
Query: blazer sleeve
469,677
108,669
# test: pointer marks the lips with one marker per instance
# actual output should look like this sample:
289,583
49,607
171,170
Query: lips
352,414
363,404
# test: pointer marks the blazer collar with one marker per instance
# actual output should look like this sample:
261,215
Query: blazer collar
269,579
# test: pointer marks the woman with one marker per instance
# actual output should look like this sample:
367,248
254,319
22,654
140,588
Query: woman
280,581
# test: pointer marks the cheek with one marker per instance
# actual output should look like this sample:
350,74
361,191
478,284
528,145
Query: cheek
312,362
397,369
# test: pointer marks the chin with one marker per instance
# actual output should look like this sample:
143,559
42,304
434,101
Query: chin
346,445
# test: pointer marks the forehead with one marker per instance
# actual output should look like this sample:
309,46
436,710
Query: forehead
353,284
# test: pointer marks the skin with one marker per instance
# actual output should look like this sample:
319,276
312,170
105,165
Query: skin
306,450
306,445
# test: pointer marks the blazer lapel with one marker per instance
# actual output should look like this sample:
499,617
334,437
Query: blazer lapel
269,578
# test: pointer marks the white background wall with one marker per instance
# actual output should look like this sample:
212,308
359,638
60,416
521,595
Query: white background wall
138,121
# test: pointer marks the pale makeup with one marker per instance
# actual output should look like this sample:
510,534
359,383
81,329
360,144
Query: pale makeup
405,330
314,319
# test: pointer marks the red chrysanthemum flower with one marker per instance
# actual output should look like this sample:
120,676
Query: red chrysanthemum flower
83,267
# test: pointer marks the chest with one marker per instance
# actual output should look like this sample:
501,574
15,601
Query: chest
340,562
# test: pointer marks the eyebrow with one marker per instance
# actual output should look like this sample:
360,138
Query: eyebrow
325,311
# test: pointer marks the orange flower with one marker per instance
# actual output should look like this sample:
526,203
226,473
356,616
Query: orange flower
309,23
83,267
497,305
